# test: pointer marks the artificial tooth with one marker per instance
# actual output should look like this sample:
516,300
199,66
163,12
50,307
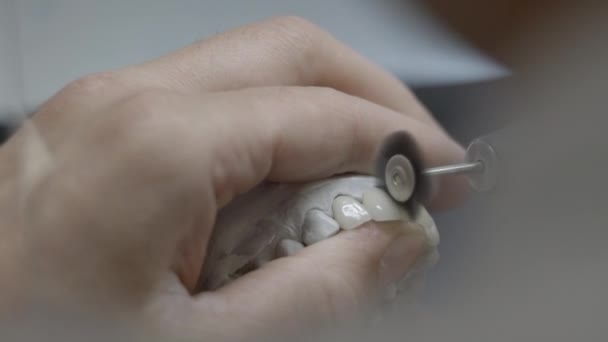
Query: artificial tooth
318,226
288,247
349,213
381,206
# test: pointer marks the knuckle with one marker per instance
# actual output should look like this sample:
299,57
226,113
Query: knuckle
146,105
291,34
295,39
89,85
327,94
320,96
152,132
295,24
140,120
333,105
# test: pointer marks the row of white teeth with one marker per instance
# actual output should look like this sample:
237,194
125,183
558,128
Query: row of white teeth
350,213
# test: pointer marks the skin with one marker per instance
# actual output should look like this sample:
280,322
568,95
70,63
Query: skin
108,195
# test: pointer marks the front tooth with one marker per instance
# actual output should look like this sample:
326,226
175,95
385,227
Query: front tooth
287,247
382,207
430,229
349,213
318,226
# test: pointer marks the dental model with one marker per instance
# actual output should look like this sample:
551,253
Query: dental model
279,220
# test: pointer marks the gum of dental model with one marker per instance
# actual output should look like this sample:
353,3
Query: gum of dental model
349,213
263,258
287,247
318,226
249,228
248,231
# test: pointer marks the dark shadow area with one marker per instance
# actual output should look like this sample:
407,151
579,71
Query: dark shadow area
4,133
7,125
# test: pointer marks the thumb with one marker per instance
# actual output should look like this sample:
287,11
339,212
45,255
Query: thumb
322,285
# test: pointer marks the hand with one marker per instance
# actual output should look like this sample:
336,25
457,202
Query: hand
110,193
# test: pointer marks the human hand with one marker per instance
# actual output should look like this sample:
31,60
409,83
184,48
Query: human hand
119,178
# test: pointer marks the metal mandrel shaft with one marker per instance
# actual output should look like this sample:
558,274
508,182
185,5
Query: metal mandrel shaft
399,166
481,166
456,169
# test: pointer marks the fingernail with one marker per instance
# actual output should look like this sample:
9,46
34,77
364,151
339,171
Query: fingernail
401,256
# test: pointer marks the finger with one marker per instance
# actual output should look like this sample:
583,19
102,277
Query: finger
324,285
291,134
280,52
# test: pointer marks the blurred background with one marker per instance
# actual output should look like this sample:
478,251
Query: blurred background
525,262
46,44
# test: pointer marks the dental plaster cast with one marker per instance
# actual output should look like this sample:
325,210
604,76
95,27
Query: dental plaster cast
278,220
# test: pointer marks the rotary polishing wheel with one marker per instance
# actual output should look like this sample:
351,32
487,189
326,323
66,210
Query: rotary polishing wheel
400,177
399,166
